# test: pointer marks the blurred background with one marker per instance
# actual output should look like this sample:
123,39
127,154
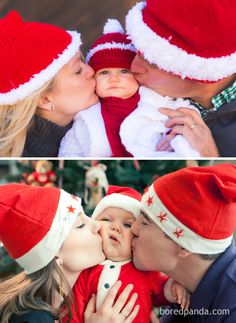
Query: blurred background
86,179
86,16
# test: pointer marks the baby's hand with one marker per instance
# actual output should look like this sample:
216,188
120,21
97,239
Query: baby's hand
176,293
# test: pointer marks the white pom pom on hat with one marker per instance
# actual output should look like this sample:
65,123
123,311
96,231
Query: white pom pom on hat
113,26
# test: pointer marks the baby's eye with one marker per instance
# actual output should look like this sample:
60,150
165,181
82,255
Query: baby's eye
104,72
127,225
80,226
124,71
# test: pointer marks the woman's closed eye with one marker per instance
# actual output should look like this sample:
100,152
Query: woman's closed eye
80,226
79,71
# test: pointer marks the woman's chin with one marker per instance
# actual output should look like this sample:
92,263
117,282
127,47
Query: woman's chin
94,99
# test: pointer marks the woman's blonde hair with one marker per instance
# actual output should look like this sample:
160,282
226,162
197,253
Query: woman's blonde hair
15,121
23,292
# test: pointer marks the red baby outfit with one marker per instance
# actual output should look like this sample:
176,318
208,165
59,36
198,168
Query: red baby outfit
98,280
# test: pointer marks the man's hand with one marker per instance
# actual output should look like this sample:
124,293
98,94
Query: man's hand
153,317
189,123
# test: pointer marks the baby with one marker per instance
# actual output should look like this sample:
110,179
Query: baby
116,212
126,122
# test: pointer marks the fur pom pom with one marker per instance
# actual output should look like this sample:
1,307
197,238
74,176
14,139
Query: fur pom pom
113,26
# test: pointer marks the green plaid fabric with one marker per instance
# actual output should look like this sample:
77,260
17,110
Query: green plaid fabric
226,96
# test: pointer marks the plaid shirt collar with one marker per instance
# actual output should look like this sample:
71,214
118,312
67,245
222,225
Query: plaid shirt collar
226,96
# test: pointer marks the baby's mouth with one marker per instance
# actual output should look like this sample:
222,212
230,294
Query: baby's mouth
114,238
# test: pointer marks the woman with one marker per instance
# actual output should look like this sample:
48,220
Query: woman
43,84
53,243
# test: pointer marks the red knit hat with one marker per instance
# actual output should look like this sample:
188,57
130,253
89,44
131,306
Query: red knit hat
195,206
35,221
113,49
193,39
31,54
125,198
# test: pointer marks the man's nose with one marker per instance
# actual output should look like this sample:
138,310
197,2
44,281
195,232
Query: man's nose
135,228
138,65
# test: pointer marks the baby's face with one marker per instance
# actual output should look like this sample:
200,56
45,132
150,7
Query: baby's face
117,82
116,233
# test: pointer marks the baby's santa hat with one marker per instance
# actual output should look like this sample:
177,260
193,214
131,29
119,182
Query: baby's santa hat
113,49
195,206
31,54
125,198
191,39
35,221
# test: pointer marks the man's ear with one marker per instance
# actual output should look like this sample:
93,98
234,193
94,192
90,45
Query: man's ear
183,253
45,102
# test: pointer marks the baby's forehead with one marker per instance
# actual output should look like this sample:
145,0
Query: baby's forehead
116,212
113,69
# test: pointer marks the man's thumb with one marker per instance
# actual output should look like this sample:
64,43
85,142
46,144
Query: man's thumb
153,317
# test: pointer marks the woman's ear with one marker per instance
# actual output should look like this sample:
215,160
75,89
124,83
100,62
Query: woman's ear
59,261
45,102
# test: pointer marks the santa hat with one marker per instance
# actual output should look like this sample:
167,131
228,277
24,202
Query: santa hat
31,54
193,39
125,198
35,221
195,207
113,49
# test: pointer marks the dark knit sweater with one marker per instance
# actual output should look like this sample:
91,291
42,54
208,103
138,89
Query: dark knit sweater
222,124
43,138
33,316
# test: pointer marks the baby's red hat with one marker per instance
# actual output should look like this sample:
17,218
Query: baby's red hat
113,49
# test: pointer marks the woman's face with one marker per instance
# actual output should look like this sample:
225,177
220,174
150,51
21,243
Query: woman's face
73,87
83,247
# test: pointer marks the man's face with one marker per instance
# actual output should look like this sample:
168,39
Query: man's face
116,233
152,250
160,81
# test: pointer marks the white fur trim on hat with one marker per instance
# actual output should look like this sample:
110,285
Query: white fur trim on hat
118,200
112,45
159,51
38,80
44,251
176,230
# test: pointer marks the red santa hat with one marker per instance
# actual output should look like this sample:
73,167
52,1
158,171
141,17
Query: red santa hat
125,198
35,221
193,39
113,49
196,207
31,54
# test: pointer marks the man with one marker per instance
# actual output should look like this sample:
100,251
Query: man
186,231
188,49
